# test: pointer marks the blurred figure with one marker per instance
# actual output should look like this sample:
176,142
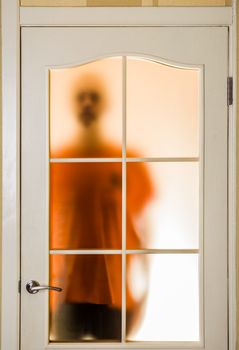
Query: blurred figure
86,213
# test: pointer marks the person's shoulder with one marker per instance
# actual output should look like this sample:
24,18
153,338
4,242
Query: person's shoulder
133,154
110,150
67,151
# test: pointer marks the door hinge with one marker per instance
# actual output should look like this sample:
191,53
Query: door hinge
19,286
229,91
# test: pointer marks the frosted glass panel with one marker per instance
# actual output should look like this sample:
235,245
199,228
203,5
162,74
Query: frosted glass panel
85,205
163,205
89,308
162,110
166,290
86,110
151,110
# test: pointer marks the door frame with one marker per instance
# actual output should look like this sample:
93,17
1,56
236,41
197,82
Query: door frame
13,18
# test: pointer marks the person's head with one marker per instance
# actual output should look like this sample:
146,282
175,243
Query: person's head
89,99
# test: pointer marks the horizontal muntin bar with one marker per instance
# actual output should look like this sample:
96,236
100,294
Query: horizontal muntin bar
120,251
85,160
164,159
122,159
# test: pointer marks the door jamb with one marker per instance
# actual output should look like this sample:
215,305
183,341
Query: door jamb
232,186
10,262
10,300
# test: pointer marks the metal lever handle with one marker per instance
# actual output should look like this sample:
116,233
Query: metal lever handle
33,287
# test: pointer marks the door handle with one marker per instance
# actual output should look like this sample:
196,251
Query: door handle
33,287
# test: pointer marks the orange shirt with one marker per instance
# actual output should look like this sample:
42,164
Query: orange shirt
86,213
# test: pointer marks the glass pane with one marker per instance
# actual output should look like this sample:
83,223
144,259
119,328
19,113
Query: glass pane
85,205
162,201
89,308
163,297
86,110
162,110
162,205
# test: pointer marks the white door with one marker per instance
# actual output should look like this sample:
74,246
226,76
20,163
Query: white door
124,187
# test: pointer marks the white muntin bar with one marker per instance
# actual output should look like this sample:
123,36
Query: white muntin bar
124,158
122,251
85,160
164,159
85,252
124,94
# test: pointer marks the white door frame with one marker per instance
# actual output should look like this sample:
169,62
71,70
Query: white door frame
13,18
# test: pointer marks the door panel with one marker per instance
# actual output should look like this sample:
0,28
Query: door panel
124,187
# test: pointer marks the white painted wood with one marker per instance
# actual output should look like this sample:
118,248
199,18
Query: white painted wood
63,46
142,345
99,160
232,186
127,251
124,187
152,345
10,267
10,259
108,16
